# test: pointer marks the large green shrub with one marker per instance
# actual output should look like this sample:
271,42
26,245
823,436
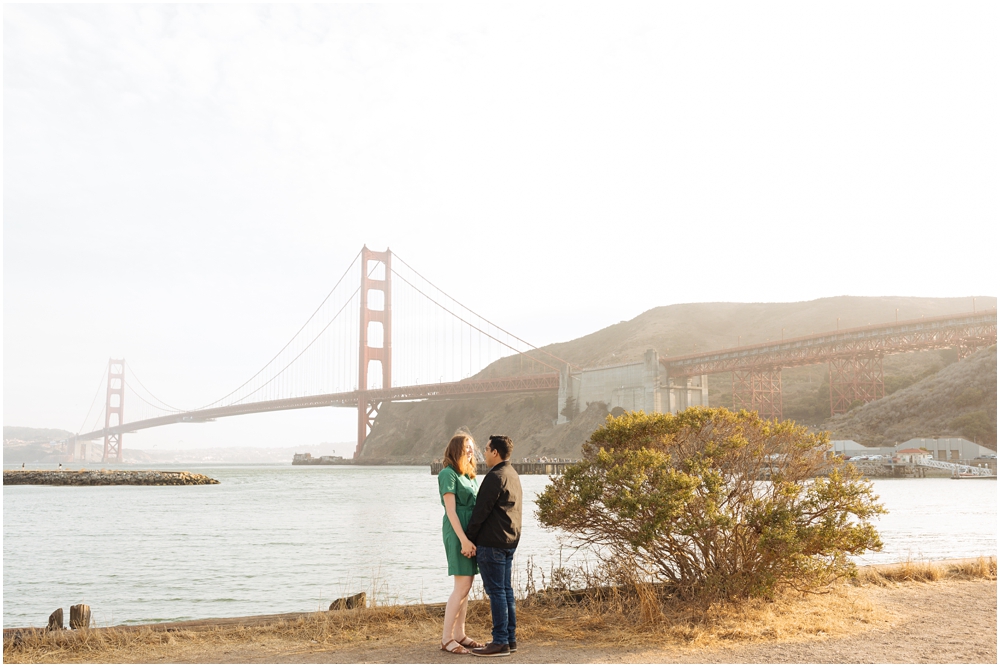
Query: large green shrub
715,502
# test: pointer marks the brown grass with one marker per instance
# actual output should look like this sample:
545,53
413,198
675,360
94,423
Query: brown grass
910,571
611,617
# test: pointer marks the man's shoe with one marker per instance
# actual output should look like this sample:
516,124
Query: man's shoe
492,650
513,647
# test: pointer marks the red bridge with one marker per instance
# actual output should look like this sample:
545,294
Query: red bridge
394,323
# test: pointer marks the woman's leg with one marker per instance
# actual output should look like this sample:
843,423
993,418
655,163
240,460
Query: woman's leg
454,611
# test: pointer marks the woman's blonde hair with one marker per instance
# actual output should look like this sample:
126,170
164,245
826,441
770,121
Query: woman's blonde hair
454,456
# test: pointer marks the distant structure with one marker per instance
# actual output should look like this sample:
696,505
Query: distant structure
308,460
945,449
644,385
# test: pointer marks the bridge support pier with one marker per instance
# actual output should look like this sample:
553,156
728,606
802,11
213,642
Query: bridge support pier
367,412
113,415
855,379
758,389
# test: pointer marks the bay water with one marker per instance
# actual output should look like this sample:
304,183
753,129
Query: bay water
282,538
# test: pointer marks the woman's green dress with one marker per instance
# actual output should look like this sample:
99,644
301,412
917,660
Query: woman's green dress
465,489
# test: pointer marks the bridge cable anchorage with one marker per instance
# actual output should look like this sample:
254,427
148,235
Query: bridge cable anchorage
96,394
291,340
520,340
473,326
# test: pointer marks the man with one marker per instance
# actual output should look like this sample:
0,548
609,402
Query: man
495,529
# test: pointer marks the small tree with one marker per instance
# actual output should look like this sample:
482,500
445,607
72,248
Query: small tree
715,503
571,410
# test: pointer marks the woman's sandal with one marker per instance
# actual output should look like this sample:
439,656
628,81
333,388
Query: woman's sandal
457,650
470,643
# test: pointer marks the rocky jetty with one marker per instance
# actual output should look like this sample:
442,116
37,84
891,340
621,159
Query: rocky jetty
105,478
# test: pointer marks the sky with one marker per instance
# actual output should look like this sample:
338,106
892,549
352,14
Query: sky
183,184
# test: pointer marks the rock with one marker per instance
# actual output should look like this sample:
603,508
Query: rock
358,601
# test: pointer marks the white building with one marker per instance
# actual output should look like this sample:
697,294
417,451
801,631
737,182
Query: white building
912,455
950,449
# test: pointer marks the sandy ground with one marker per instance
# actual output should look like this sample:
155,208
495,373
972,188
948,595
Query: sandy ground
940,622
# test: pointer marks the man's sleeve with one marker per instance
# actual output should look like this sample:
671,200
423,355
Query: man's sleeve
487,497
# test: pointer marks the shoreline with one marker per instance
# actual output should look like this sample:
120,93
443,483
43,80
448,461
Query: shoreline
874,618
432,609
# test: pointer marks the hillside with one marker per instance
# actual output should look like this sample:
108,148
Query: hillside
415,432
22,444
961,400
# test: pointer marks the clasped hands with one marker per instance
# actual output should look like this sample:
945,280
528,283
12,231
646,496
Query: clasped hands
468,549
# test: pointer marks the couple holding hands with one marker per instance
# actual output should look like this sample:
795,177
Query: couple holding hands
481,528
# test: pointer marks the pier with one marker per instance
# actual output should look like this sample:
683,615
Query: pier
105,478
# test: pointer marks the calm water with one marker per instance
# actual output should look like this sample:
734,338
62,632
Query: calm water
273,539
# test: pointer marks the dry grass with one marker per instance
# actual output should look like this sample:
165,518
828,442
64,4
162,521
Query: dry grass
910,571
636,616
330,630
642,619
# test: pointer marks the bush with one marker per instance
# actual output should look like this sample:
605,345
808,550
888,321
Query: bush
679,498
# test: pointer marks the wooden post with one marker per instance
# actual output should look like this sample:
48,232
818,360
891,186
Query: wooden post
55,620
79,616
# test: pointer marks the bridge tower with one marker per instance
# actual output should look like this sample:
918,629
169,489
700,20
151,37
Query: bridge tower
376,334
113,408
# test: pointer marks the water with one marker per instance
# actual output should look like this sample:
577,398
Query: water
272,539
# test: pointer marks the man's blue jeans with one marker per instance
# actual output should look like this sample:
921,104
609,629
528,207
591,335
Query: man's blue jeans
495,569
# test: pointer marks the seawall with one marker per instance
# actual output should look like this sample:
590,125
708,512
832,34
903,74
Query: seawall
105,478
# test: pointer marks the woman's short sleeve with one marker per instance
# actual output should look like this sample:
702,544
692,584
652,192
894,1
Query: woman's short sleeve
447,481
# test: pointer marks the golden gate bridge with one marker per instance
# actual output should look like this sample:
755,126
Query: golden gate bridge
384,327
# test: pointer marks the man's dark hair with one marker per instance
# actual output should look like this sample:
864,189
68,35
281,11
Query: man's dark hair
502,445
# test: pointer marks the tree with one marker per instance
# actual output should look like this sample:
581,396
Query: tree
571,410
716,503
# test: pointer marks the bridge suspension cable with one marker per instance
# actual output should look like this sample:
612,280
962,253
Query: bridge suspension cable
100,384
289,343
165,406
475,314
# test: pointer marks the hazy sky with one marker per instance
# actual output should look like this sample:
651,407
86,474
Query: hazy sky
183,184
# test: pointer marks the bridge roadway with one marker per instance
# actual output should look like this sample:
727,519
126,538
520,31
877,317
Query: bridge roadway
509,385
911,335
929,333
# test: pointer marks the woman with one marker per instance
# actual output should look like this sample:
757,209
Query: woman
458,486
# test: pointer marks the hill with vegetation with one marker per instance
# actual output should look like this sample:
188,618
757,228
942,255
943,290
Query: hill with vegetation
959,400
22,444
417,432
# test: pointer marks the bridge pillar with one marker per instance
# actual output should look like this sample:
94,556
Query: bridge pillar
855,379
113,415
376,333
758,389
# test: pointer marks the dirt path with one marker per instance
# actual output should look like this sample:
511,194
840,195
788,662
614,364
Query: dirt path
941,622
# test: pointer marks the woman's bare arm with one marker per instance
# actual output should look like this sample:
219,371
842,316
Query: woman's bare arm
468,548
